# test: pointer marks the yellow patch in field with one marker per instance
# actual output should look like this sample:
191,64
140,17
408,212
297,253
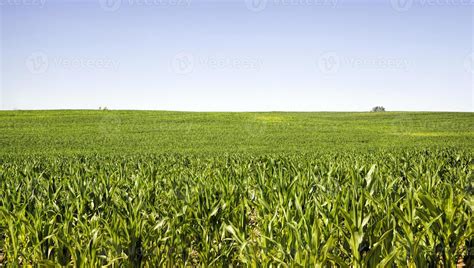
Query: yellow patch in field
426,134
270,118
434,134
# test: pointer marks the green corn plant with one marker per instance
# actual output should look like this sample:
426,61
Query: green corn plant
408,208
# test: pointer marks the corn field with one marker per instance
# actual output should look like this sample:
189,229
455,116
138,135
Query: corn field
379,209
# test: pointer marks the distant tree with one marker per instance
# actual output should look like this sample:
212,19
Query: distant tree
378,109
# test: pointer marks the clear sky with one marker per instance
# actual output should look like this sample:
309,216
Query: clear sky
237,55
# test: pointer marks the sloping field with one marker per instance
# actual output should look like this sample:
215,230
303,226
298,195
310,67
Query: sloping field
123,132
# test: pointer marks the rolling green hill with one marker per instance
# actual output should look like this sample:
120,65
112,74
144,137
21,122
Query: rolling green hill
124,132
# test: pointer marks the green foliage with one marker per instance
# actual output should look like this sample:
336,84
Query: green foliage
407,208
152,189
378,109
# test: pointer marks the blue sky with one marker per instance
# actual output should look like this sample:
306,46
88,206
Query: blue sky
237,55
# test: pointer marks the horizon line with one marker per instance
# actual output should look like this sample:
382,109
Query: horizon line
228,111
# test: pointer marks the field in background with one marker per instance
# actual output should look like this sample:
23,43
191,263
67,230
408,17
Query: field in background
152,189
124,132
